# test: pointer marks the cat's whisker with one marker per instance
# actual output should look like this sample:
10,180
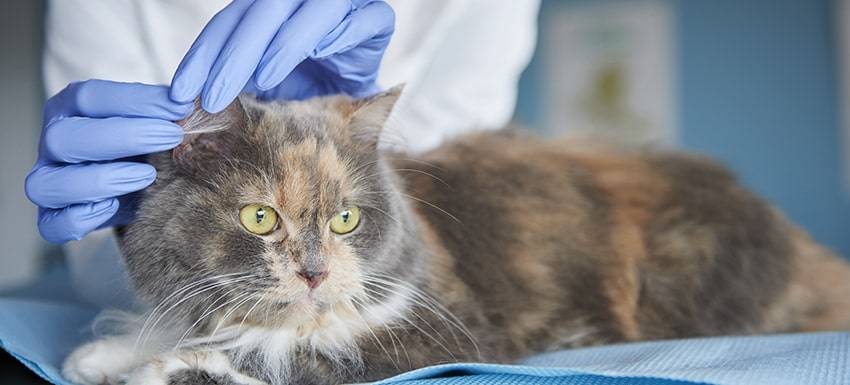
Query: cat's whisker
426,333
370,197
181,291
193,294
428,174
242,299
233,309
359,304
365,165
423,332
375,336
434,206
435,306
393,339
454,320
385,213
416,302
205,315
441,180
414,160
219,298
242,322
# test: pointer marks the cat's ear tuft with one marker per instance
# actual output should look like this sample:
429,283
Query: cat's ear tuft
200,121
206,135
370,114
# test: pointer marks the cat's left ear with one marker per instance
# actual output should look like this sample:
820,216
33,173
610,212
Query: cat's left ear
370,114
200,121
208,136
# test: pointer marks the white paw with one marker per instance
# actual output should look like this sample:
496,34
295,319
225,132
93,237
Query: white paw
159,370
105,361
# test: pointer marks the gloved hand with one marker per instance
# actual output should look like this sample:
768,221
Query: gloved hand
83,174
292,49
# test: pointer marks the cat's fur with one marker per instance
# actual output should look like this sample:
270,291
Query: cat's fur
490,248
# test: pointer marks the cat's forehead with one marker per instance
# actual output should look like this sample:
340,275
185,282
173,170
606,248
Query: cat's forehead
312,169
290,123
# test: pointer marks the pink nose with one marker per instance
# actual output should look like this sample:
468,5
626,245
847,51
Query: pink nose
313,278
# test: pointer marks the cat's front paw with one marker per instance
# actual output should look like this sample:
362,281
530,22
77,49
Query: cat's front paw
190,368
100,362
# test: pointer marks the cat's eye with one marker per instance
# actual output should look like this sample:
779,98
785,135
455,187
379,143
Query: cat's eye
258,219
346,220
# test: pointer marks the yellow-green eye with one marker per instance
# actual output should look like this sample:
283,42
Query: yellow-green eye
258,219
346,220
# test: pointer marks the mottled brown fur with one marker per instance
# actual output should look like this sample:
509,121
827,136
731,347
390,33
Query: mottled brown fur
490,248
554,239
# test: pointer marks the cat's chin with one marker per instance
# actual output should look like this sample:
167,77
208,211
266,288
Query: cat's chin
307,312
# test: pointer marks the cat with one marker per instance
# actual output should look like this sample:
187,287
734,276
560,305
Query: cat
288,249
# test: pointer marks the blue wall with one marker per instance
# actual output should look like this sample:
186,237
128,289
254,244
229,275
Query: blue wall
758,89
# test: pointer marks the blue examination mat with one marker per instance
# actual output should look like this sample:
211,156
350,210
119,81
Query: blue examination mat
40,327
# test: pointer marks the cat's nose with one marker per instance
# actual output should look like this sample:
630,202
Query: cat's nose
313,278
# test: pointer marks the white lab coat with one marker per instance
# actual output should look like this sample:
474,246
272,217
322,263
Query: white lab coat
460,59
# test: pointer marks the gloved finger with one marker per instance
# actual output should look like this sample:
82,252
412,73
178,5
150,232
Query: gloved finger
371,25
75,221
239,58
57,186
195,67
127,207
103,98
297,39
300,84
77,140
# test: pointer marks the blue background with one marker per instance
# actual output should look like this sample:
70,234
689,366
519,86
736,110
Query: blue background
757,88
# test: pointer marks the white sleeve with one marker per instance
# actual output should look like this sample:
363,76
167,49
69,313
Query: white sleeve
461,61
122,40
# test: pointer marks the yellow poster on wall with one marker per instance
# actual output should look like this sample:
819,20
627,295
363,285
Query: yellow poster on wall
611,71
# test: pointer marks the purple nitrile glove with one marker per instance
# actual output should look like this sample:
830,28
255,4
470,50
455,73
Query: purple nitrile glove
286,49
84,171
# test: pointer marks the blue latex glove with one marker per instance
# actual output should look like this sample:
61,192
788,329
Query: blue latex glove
83,175
292,49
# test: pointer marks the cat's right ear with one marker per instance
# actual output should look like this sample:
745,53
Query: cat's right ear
370,115
206,136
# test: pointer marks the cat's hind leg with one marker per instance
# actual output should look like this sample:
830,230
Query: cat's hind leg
818,295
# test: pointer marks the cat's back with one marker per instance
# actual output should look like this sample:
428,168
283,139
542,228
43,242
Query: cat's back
619,245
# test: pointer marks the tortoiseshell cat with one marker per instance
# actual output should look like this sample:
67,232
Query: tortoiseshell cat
287,249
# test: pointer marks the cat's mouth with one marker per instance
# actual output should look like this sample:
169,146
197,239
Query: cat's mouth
291,305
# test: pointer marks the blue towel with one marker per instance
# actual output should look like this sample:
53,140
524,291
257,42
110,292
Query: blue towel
814,358
41,329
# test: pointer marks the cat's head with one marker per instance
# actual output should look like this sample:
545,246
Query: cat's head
283,214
